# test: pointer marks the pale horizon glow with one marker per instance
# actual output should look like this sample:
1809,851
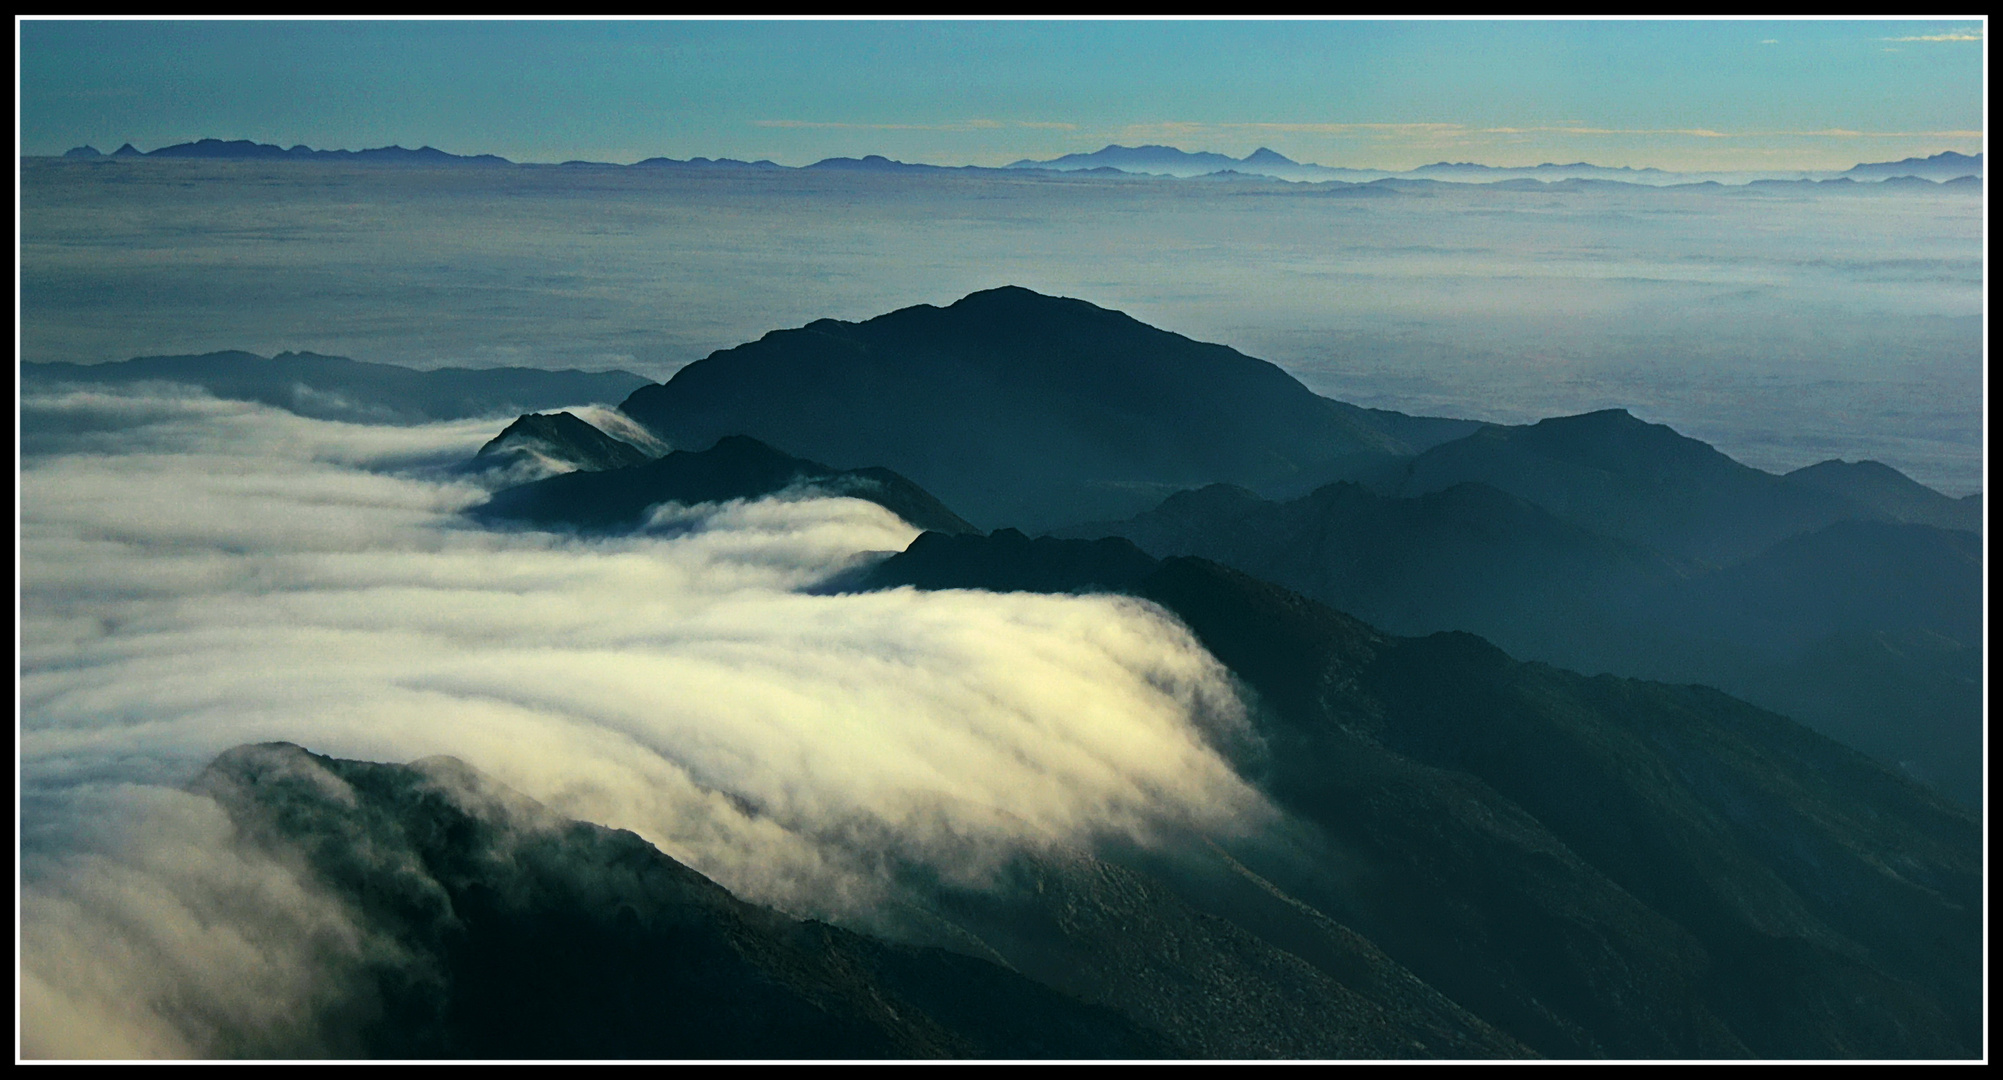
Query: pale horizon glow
1691,96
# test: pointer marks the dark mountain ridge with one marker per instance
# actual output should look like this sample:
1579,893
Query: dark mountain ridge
1632,480
1024,409
1892,493
1540,844
517,934
1901,600
736,467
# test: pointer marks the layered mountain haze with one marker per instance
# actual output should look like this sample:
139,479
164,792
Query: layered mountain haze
1602,543
1892,493
1622,477
708,726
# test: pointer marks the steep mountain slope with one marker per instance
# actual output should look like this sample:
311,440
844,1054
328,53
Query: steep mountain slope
515,934
1539,845
735,468
1020,409
337,388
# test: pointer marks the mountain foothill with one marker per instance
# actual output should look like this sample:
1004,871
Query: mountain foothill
1589,741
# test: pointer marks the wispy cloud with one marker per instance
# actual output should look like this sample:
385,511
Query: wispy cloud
964,125
1188,129
1951,35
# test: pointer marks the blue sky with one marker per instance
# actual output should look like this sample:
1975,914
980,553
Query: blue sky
1682,95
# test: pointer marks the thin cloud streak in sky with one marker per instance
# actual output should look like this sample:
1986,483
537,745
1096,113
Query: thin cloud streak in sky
1957,35
967,125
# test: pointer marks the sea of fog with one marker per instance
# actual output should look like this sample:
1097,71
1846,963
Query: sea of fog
1783,327
199,574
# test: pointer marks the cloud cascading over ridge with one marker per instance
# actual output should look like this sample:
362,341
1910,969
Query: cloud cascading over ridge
200,574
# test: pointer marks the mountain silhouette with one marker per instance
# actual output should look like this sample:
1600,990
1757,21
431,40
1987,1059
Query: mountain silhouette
1026,410
246,150
1903,599
562,441
1946,165
1628,479
1891,493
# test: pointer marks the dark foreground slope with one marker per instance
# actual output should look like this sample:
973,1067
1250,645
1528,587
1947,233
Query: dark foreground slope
1025,410
513,933
526,936
735,468
1595,866
337,388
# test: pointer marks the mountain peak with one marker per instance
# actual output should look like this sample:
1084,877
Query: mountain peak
1268,156
1023,409
1014,296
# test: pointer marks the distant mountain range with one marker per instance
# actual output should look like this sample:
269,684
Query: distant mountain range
1169,161
1943,166
1110,161
245,150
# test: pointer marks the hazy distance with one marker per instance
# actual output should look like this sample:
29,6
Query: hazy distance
1784,326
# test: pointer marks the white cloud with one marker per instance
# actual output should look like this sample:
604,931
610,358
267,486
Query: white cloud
236,574
1951,35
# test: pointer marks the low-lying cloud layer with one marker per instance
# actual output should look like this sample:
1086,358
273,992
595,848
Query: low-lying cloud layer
199,574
